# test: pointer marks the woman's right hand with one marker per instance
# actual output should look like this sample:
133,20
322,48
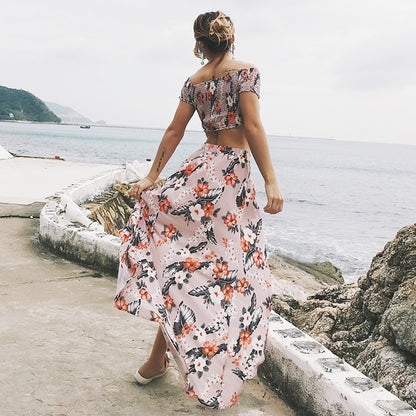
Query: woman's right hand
137,188
274,198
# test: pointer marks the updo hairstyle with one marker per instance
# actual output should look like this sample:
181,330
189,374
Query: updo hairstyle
215,30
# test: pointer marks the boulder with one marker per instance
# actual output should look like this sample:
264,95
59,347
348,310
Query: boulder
324,272
392,367
398,323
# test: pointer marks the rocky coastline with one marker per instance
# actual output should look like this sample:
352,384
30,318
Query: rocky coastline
371,323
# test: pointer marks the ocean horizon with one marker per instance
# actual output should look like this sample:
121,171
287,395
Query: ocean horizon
125,126
344,200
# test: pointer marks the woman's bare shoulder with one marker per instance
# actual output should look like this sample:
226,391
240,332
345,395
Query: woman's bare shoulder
197,75
235,65
207,72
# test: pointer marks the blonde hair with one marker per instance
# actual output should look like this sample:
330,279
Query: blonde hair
216,30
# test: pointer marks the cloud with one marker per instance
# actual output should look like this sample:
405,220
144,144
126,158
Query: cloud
383,61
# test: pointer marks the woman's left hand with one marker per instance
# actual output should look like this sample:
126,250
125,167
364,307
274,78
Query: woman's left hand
137,188
274,198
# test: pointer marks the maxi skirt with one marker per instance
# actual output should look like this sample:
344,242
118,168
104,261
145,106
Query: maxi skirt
193,259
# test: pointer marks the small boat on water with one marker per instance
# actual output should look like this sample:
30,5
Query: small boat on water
85,127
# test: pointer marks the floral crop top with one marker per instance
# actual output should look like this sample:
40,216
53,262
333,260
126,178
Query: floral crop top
217,101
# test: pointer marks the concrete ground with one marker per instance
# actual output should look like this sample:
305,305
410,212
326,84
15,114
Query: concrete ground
26,181
65,350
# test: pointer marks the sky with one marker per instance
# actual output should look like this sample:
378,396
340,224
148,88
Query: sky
329,68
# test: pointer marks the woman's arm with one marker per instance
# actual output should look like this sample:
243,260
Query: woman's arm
257,140
170,140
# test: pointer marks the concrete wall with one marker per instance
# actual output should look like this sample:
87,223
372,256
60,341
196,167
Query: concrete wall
317,382
311,378
66,228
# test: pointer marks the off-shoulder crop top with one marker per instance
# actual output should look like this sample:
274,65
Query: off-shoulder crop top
217,101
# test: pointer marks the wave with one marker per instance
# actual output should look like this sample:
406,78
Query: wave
304,201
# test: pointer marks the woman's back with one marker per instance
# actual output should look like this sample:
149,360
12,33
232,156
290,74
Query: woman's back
217,99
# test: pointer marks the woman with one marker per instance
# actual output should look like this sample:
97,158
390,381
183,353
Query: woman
193,257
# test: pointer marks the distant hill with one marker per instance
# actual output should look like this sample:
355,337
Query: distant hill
22,105
67,114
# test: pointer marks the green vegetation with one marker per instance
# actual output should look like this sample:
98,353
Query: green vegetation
22,105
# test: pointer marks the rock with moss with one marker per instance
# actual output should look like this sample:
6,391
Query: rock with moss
323,271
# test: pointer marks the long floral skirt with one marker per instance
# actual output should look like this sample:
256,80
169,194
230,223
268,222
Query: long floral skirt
193,259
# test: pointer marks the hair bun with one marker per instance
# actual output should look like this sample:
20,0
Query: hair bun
215,30
221,28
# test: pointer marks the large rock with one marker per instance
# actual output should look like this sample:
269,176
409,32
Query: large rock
293,284
372,324
323,271
392,367
398,323
389,269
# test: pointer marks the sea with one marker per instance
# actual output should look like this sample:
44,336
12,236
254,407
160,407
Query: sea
344,200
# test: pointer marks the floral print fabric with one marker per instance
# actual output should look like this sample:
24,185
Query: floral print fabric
193,259
217,101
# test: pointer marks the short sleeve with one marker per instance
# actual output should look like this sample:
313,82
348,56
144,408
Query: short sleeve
186,92
249,80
